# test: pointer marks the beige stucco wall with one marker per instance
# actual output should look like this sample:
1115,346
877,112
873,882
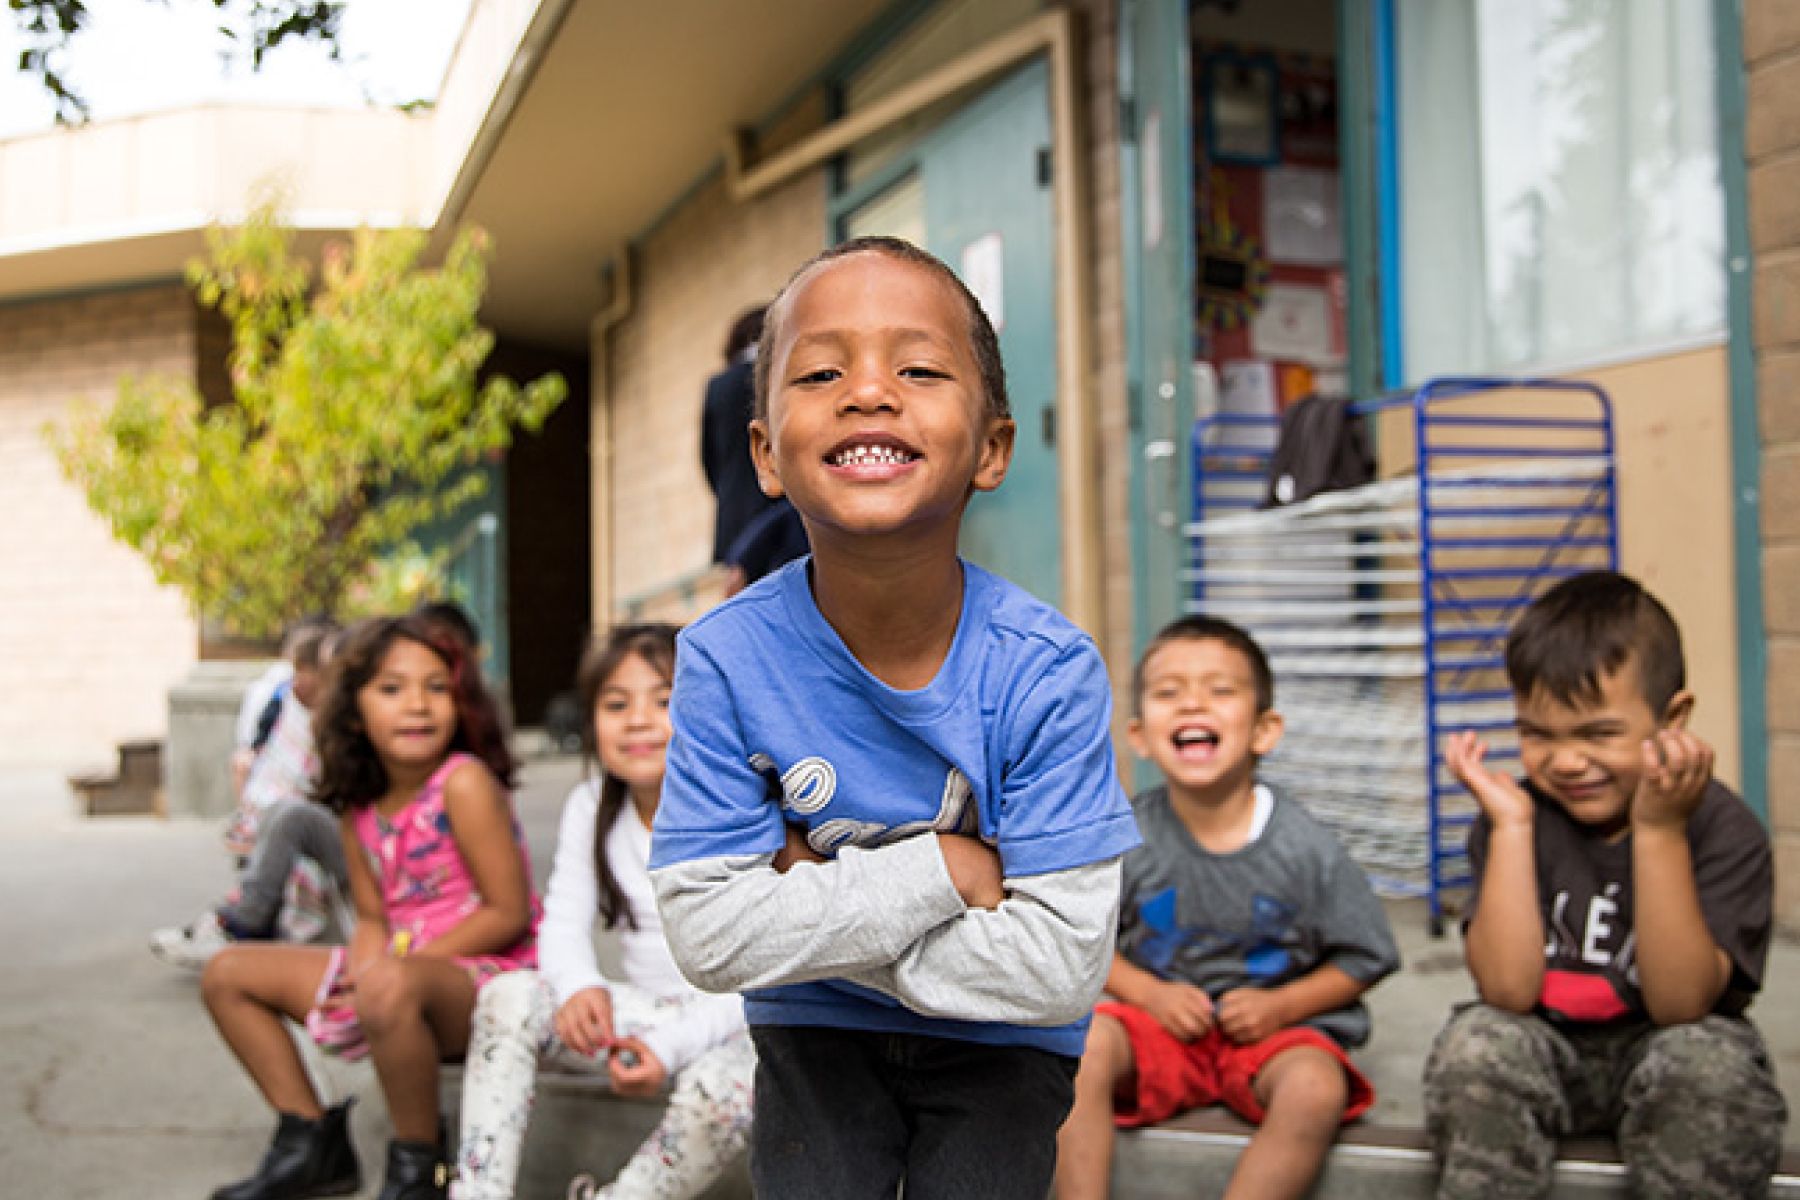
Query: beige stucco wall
1772,147
89,643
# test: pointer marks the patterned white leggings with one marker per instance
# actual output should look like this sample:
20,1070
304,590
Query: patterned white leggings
705,1126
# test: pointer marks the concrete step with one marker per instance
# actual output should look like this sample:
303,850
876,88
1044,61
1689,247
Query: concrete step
1195,1153
133,788
578,1125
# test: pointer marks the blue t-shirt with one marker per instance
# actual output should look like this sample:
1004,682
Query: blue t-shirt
776,723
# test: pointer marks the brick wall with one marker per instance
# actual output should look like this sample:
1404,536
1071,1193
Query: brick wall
1772,146
1099,27
89,643
706,263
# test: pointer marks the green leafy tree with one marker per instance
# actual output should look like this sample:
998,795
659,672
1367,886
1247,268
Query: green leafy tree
356,420
249,28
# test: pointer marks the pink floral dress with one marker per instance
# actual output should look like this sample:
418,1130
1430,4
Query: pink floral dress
426,888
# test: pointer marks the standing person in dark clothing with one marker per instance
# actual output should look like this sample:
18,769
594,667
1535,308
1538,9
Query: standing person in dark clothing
753,533
725,436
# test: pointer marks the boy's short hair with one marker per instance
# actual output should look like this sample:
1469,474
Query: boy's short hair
1199,628
981,330
1587,627
307,644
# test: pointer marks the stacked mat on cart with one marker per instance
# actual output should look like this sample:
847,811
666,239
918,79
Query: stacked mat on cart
1384,608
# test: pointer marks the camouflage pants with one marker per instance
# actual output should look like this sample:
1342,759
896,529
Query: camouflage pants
1694,1107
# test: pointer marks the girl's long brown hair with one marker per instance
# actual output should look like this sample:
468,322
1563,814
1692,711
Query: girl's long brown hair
351,774
655,644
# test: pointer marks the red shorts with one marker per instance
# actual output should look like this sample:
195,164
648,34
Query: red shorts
1174,1076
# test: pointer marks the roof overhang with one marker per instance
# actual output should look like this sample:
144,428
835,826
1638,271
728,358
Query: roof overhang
628,106
122,202
565,128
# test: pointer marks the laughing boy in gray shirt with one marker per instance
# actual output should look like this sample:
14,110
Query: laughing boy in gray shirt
1246,937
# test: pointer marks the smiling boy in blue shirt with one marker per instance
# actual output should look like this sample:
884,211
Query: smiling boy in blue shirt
891,815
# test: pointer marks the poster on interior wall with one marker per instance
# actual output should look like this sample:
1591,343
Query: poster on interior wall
984,271
1294,323
1301,222
1247,388
1309,113
1241,107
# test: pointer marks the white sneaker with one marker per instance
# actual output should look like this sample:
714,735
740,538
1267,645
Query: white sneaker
192,947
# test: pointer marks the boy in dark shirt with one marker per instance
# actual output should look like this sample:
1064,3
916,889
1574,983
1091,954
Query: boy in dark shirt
1618,929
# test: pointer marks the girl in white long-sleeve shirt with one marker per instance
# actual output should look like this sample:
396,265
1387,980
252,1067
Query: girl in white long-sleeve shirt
646,1030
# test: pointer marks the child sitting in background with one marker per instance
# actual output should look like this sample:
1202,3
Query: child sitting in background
1618,929
414,762
287,764
295,867
642,1031
1246,937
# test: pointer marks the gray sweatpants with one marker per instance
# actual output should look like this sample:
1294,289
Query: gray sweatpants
287,831
1694,1107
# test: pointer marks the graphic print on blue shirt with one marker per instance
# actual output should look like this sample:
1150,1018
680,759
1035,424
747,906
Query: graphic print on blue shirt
807,789
1265,956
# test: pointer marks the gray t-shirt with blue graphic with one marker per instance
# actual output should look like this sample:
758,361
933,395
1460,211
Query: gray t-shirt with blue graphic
1260,916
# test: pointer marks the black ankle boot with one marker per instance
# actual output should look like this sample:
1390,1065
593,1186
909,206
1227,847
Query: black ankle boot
416,1171
305,1159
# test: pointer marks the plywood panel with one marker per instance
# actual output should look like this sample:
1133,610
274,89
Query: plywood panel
1671,416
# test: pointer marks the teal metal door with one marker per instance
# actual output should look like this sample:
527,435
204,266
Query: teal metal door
987,214
1157,172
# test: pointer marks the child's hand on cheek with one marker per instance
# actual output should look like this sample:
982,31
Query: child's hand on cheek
1677,768
974,868
1503,800
1249,1015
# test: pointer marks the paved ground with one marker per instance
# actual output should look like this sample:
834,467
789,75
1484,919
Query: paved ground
113,1083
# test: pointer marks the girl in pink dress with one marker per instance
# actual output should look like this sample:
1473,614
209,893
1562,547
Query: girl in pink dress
415,762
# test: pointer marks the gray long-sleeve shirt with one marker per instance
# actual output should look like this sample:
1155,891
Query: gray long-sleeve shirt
890,920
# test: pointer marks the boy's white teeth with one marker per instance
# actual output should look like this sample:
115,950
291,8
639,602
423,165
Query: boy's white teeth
1189,737
863,456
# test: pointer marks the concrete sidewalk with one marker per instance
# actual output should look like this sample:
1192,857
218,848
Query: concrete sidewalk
113,1083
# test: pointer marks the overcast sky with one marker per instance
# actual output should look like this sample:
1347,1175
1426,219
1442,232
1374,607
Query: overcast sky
140,56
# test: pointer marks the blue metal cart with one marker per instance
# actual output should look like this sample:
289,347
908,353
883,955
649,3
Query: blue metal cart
1384,608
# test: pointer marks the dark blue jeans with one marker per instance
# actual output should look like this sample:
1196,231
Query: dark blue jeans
844,1113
